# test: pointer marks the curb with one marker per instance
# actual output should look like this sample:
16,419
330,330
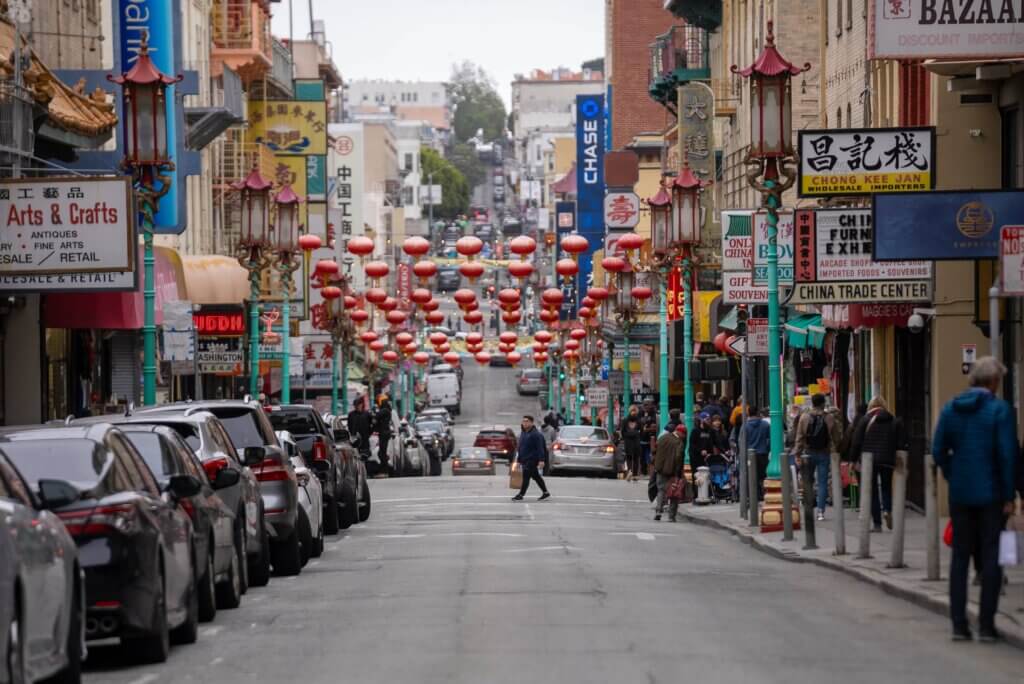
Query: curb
935,605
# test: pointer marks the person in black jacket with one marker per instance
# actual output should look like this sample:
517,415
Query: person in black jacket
702,444
383,422
360,425
631,431
880,434
531,456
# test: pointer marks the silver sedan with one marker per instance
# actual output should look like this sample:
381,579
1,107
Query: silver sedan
473,461
583,448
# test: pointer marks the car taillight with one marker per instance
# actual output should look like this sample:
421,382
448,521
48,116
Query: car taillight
99,521
319,451
610,449
214,466
270,470
487,463
557,446
456,463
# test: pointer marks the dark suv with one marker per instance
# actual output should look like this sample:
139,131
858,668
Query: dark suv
346,493
253,436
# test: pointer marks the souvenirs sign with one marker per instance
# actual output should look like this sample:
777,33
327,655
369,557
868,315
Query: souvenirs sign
861,161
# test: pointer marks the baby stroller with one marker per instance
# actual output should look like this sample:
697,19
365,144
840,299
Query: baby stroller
721,469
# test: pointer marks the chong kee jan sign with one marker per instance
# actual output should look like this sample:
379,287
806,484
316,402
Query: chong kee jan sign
967,29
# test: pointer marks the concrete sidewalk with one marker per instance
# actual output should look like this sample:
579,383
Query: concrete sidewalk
908,582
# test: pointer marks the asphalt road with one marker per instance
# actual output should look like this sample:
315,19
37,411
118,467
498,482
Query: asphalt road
449,581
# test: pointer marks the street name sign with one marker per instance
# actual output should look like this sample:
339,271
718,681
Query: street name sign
597,396
757,337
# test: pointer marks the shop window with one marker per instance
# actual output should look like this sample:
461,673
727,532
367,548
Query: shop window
1011,148
57,374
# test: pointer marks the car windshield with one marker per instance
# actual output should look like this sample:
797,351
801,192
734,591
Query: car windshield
533,373
473,454
242,428
429,426
583,432
295,422
79,461
148,444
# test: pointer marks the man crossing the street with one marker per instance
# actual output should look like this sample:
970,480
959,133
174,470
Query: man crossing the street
531,456
668,464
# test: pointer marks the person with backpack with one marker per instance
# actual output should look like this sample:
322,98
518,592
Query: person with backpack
880,434
818,434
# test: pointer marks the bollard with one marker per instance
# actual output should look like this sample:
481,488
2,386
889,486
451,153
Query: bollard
837,504
864,516
787,499
899,509
752,487
744,502
931,519
807,473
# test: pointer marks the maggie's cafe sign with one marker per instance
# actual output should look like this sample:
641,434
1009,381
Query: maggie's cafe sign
962,29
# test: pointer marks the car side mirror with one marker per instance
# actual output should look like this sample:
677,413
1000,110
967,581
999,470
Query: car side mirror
183,486
55,494
226,477
253,456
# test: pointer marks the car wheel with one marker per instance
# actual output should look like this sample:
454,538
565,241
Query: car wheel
15,647
207,590
229,592
72,672
305,538
259,567
188,631
243,556
330,516
288,555
318,542
364,509
155,647
348,512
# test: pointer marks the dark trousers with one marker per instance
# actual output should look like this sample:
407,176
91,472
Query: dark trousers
531,472
634,455
975,534
382,452
881,497
762,474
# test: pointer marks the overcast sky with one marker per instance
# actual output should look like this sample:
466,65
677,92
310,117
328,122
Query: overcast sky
417,40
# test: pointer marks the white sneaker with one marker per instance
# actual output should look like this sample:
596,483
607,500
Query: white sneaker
821,515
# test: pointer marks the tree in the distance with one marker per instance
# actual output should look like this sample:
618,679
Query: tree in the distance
454,189
464,157
477,104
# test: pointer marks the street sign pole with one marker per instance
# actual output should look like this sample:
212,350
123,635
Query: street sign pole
663,353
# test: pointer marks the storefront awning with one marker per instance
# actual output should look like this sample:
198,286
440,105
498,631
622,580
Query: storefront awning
215,280
118,310
731,320
805,332
566,185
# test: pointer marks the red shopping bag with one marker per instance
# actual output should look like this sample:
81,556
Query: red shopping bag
947,535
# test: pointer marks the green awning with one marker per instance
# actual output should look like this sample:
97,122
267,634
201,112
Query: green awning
740,225
805,332
730,321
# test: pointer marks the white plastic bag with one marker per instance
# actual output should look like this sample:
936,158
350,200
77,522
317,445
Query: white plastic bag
1010,548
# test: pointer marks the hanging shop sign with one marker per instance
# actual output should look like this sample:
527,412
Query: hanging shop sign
943,226
289,126
737,240
219,323
938,29
597,396
675,295
1011,257
621,210
590,184
220,355
738,288
875,315
346,169
835,246
757,337
860,161
784,247
79,230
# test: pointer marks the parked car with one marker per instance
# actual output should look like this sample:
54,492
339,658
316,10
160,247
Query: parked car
311,498
531,381
499,360
432,435
442,415
408,455
500,442
473,461
213,523
583,448
42,588
443,390
135,543
448,279
208,439
253,436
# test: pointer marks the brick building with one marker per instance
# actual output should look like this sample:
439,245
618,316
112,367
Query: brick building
632,26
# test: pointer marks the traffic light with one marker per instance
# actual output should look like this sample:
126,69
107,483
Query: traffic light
742,314
561,375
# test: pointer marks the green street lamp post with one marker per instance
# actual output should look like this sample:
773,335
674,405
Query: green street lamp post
253,253
772,163
147,159
286,261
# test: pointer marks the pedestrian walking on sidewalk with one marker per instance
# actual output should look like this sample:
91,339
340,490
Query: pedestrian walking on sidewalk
668,464
631,432
759,439
818,434
702,445
975,445
360,425
880,434
531,456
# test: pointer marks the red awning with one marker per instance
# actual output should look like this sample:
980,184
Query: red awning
117,310
566,185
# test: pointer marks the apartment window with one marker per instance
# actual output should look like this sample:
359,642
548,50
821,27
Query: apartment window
849,115
839,118
839,18
409,161
1011,148
849,14
92,10
826,6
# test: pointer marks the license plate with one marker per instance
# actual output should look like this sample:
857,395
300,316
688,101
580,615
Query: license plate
470,465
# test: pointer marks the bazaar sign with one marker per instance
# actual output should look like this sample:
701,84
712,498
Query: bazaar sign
861,161
289,126
936,29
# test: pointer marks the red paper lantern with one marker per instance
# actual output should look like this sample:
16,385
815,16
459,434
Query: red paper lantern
508,337
543,336
641,293
416,246
376,295
464,296
359,316
309,242
361,246
389,304
629,242
548,316
575,244
720,340
424,270
471,270
473,317
443,348
421,295
612,264
474,348
567,268
540,359
325,268
368,337
539,348
522,246
403,339
514,357
452,359
506,348
434,318
390,356
474,338
520,269
588,302
432,305
469,246
577,333
512,317
572,345
377,270
377,345
396,317
351,302
422,358
598,293
437,338
330,292
586,312
472,306
509,296
483,358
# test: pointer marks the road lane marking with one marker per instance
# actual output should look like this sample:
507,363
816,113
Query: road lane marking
529,513
207,632
478,534
400,536
642,536
216,661
544,548
145,679
442,499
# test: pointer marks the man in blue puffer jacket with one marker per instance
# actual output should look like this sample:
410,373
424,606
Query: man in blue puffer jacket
975,445
531,456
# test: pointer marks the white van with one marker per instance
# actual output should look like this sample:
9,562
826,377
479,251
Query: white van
443,390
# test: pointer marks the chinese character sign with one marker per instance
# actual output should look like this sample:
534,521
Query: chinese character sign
345,169
621,210
696,129
289,126
675,295
867,160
